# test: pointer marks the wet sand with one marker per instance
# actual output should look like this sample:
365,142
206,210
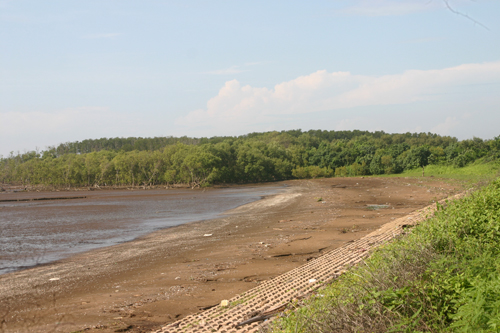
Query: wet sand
38,228
141,285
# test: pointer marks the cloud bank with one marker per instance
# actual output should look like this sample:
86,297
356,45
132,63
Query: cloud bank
459,101
238,106
21,131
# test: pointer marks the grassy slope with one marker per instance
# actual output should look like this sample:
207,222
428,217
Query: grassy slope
444,276
476,172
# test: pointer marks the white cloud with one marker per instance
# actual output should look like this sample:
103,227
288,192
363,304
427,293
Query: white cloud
467,115
27,130
99,36
416,129
239,106
446,128
365,123
387,7
15,122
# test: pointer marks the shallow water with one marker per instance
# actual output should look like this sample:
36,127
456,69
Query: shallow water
39,232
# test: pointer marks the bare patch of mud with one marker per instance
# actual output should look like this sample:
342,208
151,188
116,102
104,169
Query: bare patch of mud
161,277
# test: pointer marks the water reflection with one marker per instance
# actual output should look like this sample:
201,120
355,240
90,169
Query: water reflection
42,231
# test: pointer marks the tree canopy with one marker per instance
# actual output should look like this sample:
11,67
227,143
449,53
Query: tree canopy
254,157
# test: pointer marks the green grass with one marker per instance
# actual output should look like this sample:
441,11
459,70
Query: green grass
473,173
442,277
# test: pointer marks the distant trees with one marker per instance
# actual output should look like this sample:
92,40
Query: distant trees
255,157
418,157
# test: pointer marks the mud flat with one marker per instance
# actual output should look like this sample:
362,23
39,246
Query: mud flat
38,228
140,286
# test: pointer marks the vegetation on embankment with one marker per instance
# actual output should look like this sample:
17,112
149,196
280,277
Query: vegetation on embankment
480,171
444,276
254,157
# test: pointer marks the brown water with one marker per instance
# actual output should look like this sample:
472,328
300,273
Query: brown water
38,232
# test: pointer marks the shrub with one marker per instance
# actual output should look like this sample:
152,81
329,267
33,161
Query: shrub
443,276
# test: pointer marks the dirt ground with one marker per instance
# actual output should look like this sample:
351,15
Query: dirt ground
142,285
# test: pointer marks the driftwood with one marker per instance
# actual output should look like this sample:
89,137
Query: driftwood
263,315
40,199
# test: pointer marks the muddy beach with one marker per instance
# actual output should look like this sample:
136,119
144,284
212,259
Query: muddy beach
141,285
39,228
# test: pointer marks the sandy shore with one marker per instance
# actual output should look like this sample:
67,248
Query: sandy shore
141,285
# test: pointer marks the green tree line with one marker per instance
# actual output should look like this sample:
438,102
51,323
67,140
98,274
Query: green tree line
255,157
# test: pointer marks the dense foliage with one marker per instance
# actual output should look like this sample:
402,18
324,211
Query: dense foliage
254,157
443,277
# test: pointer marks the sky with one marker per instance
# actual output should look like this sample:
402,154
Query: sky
87,69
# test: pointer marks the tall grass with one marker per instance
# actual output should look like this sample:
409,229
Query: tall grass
442,277
472,173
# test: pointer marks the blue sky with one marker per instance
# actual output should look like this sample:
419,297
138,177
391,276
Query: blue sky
73,70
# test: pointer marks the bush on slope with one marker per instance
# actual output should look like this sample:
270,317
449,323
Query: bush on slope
442,277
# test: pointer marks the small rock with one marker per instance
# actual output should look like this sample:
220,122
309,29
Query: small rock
312,280
54,279
207,235
224,302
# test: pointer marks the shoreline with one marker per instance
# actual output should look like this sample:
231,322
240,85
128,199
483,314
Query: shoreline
105,218
161,277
